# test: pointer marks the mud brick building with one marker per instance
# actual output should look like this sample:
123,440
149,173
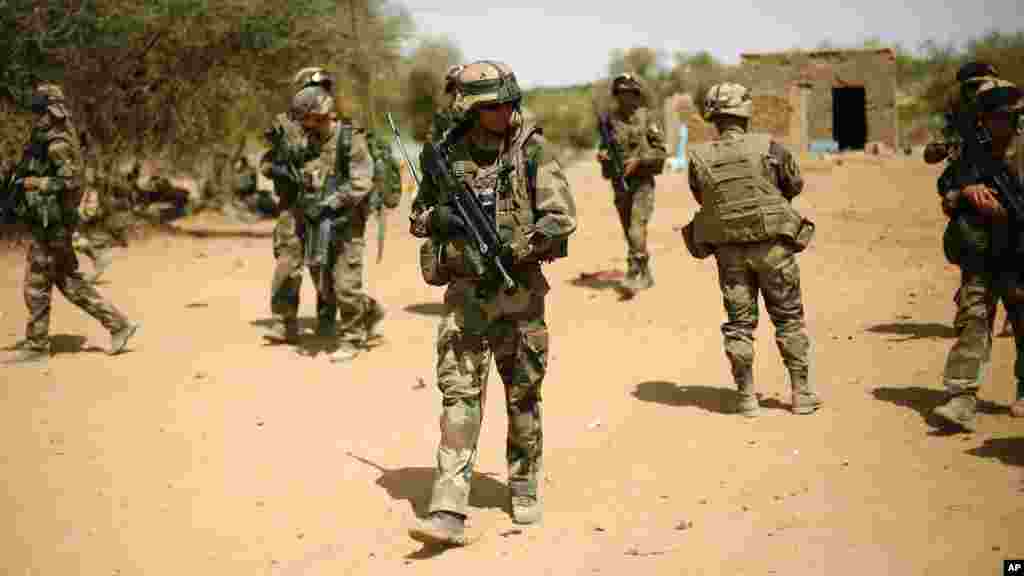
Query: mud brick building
848,96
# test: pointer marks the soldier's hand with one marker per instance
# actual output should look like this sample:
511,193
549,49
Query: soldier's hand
984,200
630,166
602,155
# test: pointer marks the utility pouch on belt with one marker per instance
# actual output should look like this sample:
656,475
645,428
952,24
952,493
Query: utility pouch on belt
431,267
803,235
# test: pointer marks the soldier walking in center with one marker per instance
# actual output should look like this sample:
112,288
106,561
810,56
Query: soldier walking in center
745,184
506,165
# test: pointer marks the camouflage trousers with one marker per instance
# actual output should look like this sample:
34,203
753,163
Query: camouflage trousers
287,281
769,269
510,328
341,295
342,306
52,262
92,243
975,318
635,209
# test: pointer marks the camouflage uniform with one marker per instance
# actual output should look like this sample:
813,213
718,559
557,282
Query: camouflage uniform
638,135
987,250
744,184
387,185
327,193
53,183
535,214
90,238
286,284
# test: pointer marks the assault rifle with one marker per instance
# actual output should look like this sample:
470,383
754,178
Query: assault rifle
978,166
615,167
481,227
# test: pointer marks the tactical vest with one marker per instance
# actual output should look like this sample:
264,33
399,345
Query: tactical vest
507,191
743,205
51,208
338,152
631,135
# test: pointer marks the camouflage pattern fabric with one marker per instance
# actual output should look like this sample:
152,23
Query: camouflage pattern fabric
52,264
53,187
472,330
344,295
988,275
481,322
286,284
771,270
639,137
975,317
635,209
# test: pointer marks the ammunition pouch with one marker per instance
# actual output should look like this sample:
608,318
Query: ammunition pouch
431,266
698,250
804,235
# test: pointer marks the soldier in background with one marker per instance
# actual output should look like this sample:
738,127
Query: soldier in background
52,185
642,142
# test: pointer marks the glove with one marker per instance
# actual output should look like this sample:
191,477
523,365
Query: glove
446,223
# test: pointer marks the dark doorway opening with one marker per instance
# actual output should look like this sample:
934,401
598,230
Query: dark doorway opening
849,117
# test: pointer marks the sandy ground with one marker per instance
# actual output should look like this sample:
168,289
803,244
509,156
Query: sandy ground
205,451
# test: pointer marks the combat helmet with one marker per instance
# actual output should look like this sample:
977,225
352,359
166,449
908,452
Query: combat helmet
976,69
451,78
627,82
311,100
485,83
314,76
728,99
997,95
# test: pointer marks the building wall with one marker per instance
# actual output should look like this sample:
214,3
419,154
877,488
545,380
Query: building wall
819,72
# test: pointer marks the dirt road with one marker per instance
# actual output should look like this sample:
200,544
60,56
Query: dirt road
205,451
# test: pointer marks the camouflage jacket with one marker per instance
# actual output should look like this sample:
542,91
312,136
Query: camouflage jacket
533,207
972,240
640,137
325,183
295,147
387,175
54,163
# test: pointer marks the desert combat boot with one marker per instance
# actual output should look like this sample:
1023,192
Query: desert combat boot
444,528
526,509
746,400
286,332
119,339
805,399
29,355
959,411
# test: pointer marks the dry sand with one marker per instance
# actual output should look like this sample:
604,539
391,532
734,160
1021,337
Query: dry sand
205,451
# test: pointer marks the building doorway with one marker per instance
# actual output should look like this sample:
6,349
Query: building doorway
849,117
